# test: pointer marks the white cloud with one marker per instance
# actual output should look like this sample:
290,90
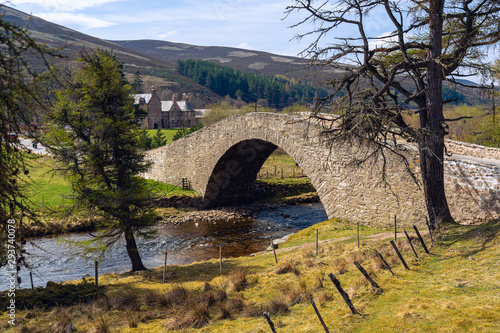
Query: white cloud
166,34
62,5
72,20
245,46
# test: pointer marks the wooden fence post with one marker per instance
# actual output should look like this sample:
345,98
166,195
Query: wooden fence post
395,229
421,239
270,322
317,243
362,270
319,316
220,258
399,254
31,279
409,241
96,273
274,251
165,267
343,293
357,232
385,263
430,230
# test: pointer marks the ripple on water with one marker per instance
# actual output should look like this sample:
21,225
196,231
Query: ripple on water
53,260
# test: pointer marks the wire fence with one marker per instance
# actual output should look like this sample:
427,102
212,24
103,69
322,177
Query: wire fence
305,318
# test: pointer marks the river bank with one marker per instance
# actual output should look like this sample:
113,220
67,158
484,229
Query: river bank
451,289
175,209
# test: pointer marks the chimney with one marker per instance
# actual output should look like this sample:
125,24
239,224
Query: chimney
153,91
173,98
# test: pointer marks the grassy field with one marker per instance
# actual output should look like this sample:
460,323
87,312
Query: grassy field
453,289
167,132
52,190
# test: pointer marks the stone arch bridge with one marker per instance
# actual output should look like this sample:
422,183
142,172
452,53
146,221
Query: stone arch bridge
222,162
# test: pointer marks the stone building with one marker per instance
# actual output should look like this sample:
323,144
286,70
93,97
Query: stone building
167,114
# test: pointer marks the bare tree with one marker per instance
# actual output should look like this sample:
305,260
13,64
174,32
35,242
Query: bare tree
384,77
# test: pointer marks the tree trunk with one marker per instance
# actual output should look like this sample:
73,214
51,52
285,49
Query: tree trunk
431,143
133,252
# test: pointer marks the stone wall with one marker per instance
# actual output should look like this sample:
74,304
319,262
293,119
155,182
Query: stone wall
469,149
222,160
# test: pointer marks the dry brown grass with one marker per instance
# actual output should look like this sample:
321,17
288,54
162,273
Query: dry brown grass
237,280
100,325
287,267
125,301
61,321
276,305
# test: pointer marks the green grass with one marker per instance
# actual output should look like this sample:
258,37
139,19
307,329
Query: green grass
47,188
454,289
168,133
52,189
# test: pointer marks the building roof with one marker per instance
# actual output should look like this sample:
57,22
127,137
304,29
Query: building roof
183,105
146,97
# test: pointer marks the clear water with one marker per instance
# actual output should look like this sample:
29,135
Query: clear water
54,260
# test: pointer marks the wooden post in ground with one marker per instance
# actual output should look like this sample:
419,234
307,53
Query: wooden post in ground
96,273
317,243
319,316
343,293
385,263
31,279
165,267
281,173
429,227
399,254
270,322
220,258
274,251
409,241
275,170
357,232
362,270
421,239
395,229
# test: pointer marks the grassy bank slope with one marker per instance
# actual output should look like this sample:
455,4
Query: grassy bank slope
453,289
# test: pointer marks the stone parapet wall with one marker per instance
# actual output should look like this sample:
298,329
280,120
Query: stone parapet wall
222,160
469,149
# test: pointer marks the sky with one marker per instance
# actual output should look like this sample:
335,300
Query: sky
250,24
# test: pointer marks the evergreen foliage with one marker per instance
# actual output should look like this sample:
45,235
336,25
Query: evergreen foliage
93,131
20,99
183,131
279,92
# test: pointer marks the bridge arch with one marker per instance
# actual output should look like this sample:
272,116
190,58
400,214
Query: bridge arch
222,161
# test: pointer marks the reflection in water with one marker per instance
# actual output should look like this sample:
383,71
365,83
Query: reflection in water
53,260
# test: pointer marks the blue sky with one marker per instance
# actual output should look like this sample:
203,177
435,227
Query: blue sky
251,24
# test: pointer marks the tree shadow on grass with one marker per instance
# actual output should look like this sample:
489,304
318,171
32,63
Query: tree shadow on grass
482,236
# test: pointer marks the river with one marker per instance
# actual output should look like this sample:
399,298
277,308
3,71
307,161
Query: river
54,260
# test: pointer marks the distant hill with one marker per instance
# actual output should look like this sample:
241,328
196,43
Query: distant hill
70,42
156,59
246,60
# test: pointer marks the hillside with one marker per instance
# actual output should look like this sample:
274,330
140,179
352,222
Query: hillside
69,42
252,61
452,289
155,59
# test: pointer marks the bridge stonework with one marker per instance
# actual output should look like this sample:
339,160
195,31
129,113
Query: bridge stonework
222,162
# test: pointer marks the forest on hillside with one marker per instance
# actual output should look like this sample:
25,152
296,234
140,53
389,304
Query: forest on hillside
278,92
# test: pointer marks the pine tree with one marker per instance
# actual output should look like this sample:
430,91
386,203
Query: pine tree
94,118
